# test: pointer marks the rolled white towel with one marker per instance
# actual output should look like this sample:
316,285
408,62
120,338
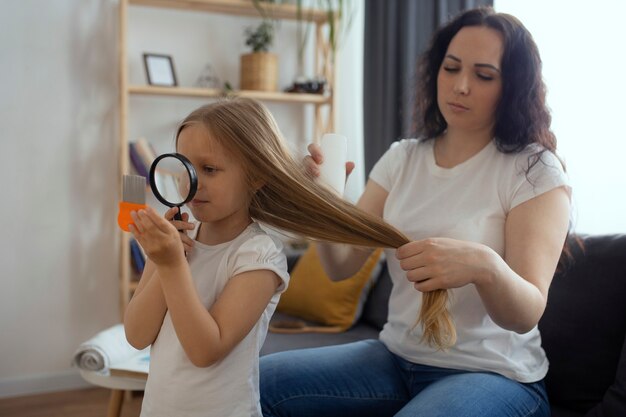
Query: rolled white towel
107,347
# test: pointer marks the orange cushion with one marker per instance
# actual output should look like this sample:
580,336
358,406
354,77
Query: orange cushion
312,296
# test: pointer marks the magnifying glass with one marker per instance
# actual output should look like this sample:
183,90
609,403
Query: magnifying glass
173,180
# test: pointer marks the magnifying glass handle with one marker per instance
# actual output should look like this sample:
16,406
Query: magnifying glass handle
178,216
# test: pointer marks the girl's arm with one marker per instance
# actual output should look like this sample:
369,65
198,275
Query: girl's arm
145,312
514,290
208,336
341,261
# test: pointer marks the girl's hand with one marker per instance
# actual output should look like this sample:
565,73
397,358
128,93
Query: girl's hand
316,157
442,263
159,238
182,227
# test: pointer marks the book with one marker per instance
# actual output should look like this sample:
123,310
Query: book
137,256
145,151
165,181
136,366
137,161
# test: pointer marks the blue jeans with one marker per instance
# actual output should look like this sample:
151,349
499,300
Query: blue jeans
365,379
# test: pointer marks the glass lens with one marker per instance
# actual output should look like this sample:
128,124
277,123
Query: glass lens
172,180
183,184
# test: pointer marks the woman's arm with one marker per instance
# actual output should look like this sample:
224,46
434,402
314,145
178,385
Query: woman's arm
515,295
514,290
341,261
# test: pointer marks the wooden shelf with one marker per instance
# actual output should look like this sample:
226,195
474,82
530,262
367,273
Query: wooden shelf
209,92
238,7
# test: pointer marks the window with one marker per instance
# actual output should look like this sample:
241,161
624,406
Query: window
584,67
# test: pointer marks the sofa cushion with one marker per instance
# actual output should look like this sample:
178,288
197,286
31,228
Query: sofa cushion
377,305
278,342
312,295
583,329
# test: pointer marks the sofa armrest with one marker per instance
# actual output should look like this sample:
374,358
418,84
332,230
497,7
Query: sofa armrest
584,327
613,403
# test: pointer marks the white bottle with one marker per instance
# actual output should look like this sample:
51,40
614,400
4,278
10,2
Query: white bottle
333,169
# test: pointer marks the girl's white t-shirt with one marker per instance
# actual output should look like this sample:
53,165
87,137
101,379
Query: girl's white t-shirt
467,202
230,387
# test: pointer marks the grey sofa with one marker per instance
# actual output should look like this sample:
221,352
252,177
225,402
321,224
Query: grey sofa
583,329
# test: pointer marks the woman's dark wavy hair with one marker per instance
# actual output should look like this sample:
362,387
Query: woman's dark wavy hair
522,116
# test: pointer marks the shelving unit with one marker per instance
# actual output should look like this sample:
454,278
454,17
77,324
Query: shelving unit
324,104
318,99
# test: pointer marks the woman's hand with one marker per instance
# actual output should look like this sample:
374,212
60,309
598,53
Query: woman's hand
182,227
158,237
442,263
315,158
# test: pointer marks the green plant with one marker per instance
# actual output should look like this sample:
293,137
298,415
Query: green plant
261,38
339,15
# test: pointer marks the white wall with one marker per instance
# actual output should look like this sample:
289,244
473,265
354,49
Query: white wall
58,258
583,61
59,124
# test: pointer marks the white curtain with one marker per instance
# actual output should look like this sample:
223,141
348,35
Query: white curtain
582,48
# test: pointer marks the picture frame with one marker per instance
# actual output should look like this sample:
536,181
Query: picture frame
160,70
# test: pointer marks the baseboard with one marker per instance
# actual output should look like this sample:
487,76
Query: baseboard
37,384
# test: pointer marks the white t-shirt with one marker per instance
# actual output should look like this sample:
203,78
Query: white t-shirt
468,202
230,387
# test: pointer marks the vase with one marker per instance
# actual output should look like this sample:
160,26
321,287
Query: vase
259,71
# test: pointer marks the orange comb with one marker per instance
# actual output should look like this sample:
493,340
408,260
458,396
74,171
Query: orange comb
133,199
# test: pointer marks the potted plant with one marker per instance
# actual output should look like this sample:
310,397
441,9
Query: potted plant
339,15
259,68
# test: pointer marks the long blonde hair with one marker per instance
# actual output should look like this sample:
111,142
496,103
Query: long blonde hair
291,200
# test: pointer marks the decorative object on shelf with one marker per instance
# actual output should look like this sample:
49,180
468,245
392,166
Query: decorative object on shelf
259,69
310,86
208,78
160,70
137,256
339,20
228,90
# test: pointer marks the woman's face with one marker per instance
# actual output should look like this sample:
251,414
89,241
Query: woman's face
469,83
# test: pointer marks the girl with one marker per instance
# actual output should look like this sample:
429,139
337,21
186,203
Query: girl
206,315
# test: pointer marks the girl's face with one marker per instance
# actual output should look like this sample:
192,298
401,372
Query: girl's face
222,197
469,83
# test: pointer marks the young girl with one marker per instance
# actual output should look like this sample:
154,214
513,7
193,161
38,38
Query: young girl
206,314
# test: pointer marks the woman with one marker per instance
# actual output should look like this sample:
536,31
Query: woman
486,203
